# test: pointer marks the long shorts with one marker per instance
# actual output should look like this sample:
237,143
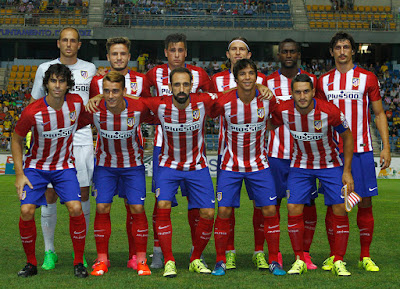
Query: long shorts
261,185
64,182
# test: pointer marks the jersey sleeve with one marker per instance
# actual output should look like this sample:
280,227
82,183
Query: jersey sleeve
206,85
211,101
146,87
25,122
146,115
150,77
85,118
373,87
152,103
94,87
276,116
319,92
38,90
336,118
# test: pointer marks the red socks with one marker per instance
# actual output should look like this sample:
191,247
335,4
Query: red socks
329,229
140,230
131,242
102,233
77,230
27,231
341,232
365,222
164,231
259,229
272,233
193,217
310,222
296,233
221,236
203,235
231,240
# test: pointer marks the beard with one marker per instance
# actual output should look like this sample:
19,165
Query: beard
119,68
181,100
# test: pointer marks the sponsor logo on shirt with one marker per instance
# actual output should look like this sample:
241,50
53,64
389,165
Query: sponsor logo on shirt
318,124
57,133
247,127
196,114
130,121
165,90
261,112
344,94
182,127
111,134
306,136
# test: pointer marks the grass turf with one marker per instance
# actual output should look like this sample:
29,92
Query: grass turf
384,251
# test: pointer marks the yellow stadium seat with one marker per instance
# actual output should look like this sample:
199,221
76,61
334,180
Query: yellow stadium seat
7,20
84,21
317,16
330,16
63,21
319,24
365,25
352,25
359,25
325,25
343,16
13,75
346,25
374,9
332,25
377,17
34,68
21,68
14,21
367,9
328,8
311,15
25,81
387,9
389,16
42,21
1,20
33,73
392,25
49,21
28,68
324,16
18,81
77,21
336,16
361,8
370,16
315,8
350,16
19,75
70,21
27,75
363,16
308,8
312,24
21,21
77,12
9,12
381,8
357,17
321,8
2,11
14,68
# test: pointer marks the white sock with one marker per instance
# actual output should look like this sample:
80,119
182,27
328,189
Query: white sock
49,221
86,213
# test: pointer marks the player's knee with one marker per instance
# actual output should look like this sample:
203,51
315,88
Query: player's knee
136,209
339,210
164,204
74,208
295,209
224,212
51,196
27,212
103,208
366,202
84,194
269,211
207,213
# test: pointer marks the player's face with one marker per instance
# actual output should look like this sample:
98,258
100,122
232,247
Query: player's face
180,87
288,55
113,94
57,86
68,43
237,51
303,96
342,52
246,78
176,54
118,57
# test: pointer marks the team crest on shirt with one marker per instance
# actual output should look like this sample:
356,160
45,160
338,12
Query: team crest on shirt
318,124
261,112
196,114
287,194
23,196
130,121
133,87
157,192
72,115
219,196
84,74
356,81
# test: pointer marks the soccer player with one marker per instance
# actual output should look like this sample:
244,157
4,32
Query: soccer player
245,158
353,90
82,71
280,142
238,48
312,123
175,51
53,120
136,84
118,161
182,159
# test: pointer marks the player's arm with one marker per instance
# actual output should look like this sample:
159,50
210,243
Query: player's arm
16,150
382,125
348,147
265,92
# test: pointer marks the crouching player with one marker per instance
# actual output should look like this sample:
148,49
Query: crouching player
53,120
312,123
118,158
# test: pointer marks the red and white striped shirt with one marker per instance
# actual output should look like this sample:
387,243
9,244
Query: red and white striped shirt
159,78
314,143
118,145
280,142
183,130
244,132
352,93
52,131
223,81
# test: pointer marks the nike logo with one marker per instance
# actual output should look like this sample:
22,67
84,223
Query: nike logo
79,196
141,231
233,115
289,226
373,189
225,86
291,122
343,226
44,123
142,199
342,196
272,227
164,227
363,229
276,87
330,83
96,231
104,121
164,77
213,201
77,233
272,198
24,238
313,193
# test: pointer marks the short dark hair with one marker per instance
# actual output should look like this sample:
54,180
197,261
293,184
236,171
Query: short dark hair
175,38
289,40
115,76
59,70
342,36
242,64
72,28
180,70
118,40
302,78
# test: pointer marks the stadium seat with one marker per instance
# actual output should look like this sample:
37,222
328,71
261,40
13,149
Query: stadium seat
346,25
359,25
49,21
330,16
381,8
2,11
317,16
328,8
343,16
70,21
34,68
314,8
20,74
14,68
325,25
350,16
28,68
357,17
324,16
14,21
309,8
374,9
321,8
387,9
63,21
352,25
365,25
319,24
332,25
84,21
26,75
21,68
367,9
313,24
392,25
7,20
13,75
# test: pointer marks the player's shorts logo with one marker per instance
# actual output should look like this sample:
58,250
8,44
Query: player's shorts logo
94,191
84,74
318,124
23,196
133,87
157,192
219,196
261,112
196,114
130,121
287,194
72,115
356,81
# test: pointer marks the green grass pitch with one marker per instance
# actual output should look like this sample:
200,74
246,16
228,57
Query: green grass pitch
385,249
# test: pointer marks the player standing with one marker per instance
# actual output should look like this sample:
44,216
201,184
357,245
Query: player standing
312,123
353,89
82,71
53,120
280,142
175,51
136,84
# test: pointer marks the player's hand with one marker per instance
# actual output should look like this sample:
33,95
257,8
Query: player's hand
93,103
20,183
100,72
347,179
265,93
385,158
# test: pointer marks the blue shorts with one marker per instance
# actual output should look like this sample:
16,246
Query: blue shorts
363,171
64,182
198,183
301,184
132,181
261,185
280,171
